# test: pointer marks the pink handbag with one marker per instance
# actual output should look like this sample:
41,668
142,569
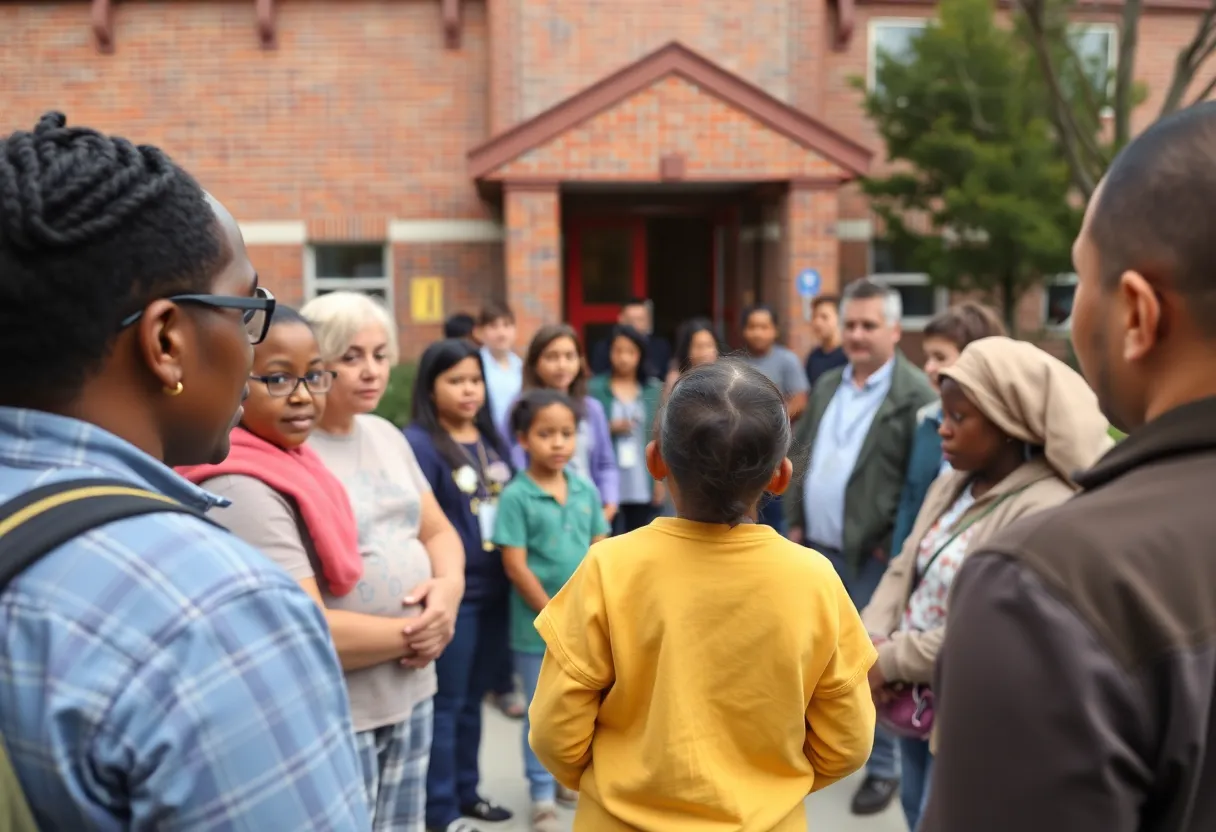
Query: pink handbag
908,712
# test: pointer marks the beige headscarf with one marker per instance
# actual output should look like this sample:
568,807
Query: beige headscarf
1034,397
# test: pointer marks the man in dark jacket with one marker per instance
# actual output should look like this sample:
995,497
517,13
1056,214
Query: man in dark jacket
1077,685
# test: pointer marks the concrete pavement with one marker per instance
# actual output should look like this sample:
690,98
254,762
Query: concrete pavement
502,780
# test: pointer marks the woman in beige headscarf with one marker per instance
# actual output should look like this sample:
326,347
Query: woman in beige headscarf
1016,424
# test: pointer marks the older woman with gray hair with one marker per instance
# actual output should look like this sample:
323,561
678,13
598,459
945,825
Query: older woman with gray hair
413,560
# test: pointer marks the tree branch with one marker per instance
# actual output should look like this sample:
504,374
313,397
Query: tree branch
1190,59
1205,92
1077,145
1125,71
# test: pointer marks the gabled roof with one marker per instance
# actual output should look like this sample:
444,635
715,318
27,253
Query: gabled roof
672,59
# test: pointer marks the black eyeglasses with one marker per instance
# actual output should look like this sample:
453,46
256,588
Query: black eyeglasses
281,385
257,310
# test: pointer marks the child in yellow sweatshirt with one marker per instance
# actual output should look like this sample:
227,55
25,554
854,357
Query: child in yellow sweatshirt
702,672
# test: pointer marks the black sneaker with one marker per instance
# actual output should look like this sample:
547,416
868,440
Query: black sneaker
874,796
456,826
486,811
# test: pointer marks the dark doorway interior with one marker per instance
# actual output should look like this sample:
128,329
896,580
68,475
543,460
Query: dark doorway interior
679,270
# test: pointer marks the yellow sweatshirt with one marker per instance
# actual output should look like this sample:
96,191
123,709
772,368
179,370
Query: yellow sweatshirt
701,678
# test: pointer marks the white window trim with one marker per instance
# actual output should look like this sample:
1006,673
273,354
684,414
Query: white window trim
1057,280
872,28
314,284
941,296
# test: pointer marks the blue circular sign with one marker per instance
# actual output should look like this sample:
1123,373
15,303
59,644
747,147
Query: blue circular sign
808,283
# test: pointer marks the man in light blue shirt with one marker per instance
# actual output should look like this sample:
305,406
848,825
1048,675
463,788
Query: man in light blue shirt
859,426
504,370
838,443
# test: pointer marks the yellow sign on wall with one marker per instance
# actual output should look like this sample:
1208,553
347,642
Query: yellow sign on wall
426,300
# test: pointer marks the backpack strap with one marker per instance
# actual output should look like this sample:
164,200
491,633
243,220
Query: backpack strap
38,521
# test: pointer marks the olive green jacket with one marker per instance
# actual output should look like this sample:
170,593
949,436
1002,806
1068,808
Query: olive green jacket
15,815
872,497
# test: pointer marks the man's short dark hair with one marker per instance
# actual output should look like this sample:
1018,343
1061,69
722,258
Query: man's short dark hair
1154,209
493,311
92,228
460,325
825,300
758,307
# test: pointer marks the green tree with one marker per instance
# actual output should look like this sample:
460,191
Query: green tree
979,196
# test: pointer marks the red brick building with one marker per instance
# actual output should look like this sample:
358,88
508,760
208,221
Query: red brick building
561,154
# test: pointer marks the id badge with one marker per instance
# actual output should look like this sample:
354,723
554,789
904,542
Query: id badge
486,514
627,455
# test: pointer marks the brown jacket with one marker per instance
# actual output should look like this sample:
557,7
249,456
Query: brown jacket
1078,677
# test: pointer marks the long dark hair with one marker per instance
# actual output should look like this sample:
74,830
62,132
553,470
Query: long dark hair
684,335
438,358
545,336
638,340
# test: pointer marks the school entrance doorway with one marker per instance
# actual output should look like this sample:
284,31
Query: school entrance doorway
669,250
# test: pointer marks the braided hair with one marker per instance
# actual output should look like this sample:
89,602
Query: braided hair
92,228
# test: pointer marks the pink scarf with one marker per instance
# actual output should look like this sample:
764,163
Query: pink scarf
320,496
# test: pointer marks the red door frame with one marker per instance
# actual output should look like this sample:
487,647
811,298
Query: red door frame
580,314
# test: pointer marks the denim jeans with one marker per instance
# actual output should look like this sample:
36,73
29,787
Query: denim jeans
884,759
918,773
466,672
541,784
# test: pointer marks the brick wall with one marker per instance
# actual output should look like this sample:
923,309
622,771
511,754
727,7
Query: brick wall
533,256
562,46
674,115
472,272
281,270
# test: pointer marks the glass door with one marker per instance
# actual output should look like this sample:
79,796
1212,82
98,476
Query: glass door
605,267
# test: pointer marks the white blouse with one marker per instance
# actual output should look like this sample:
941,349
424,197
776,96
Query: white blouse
926,609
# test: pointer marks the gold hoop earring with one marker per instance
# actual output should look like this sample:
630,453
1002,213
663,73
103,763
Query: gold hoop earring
175,391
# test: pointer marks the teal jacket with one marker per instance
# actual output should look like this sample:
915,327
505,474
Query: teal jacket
872,497
652,395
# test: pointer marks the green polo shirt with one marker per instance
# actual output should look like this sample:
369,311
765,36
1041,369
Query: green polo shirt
556,538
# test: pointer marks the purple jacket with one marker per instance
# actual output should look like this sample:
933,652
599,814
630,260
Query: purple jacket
604,472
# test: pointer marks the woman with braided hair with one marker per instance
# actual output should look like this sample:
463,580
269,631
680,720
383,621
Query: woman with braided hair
155,671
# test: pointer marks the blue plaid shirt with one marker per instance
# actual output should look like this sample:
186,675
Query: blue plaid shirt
158,673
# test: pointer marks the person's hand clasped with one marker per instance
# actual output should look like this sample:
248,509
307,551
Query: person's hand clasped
428,634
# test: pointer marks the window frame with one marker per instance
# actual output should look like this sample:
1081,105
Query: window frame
893,280
314,283
1063,279
1112,57
872,28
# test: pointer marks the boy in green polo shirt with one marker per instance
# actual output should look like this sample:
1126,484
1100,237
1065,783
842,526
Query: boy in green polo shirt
547,520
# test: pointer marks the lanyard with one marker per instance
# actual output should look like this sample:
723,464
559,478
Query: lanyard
481,464
918,575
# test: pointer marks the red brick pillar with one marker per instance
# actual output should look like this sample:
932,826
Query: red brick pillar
533,261
809,238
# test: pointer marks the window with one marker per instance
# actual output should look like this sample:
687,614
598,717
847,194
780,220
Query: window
890,38
357,267
1057,301
1097,47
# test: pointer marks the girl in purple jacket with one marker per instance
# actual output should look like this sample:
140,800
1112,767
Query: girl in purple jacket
555,362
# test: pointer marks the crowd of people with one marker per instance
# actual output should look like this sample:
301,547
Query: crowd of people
232,597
